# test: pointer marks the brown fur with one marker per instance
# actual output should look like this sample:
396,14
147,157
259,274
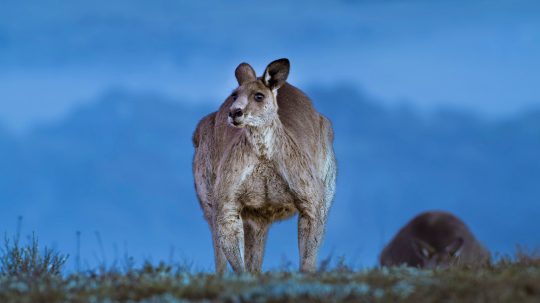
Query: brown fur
434,239
268,162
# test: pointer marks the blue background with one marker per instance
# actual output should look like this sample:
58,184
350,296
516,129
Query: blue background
435,105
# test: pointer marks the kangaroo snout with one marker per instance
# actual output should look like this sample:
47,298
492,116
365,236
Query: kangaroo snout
236,112
236,117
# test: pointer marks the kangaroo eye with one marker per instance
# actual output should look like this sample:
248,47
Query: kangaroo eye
259,97
234,96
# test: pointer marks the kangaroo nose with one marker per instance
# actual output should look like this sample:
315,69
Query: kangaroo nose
237,112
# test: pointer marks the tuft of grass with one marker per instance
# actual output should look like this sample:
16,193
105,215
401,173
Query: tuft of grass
28,260
523,257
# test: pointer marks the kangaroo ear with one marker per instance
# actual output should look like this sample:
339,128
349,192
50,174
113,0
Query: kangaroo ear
454,248
244,73
276,73
422,249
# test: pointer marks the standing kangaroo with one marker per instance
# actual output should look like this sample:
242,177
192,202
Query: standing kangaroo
263,156
434,239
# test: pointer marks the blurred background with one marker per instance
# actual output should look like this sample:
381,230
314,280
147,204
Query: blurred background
435,105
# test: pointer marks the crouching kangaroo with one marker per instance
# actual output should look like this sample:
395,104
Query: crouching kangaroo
434,239
265,155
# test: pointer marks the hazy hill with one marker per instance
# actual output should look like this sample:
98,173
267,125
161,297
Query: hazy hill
122,166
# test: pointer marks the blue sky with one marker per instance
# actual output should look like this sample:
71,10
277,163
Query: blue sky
57,55
65,64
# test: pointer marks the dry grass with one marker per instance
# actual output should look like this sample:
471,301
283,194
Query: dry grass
32,275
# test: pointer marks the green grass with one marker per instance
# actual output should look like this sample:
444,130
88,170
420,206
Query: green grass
30,274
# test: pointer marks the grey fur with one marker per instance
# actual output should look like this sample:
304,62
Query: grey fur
257,162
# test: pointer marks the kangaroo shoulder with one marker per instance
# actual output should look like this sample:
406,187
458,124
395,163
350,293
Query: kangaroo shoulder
204,129
326,128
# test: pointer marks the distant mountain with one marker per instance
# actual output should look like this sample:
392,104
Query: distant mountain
11,175
122,166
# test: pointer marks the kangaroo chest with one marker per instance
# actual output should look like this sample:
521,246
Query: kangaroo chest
264,191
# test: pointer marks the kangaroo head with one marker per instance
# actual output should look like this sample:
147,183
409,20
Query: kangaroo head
432,257
255,99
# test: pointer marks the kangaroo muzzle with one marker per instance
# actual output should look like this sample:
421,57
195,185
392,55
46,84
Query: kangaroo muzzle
236,116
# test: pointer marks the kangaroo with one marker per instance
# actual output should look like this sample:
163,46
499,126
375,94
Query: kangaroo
434,239
264,156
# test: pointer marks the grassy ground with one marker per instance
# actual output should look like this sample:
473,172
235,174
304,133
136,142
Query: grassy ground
28,274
